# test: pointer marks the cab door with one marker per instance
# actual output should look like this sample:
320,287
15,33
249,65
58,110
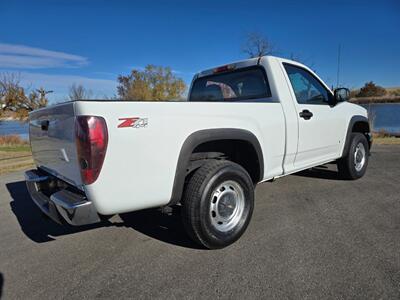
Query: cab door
318,137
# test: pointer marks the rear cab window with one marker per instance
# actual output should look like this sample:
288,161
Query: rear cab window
245,84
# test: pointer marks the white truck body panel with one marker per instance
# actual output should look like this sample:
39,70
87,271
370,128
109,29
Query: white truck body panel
140,164
144,183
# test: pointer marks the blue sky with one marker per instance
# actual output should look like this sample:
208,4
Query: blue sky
57,43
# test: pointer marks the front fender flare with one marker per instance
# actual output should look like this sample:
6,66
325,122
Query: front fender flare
353,121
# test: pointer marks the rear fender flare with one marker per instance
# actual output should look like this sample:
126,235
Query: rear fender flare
208,135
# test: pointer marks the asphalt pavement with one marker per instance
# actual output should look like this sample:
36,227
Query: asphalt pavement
312,236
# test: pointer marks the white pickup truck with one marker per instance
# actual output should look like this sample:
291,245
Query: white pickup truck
243,123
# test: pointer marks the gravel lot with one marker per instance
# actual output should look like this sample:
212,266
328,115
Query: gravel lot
312,236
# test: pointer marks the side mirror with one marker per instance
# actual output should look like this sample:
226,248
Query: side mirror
341,94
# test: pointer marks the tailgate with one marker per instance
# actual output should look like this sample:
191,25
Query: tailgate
52,137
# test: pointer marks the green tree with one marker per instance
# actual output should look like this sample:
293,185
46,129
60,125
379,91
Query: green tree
153,83
370,89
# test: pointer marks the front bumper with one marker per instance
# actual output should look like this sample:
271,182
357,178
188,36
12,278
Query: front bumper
60,201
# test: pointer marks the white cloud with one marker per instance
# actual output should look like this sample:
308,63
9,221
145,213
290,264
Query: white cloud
60,84
24,57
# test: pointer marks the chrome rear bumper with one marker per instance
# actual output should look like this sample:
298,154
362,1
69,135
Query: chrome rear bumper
58,200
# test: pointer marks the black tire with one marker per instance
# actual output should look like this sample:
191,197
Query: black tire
198,215
347,164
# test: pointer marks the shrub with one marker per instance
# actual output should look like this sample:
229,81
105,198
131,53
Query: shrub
12,140
382,133
353,93
395,92
370,89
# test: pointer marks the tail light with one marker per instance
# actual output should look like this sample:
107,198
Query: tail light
91,143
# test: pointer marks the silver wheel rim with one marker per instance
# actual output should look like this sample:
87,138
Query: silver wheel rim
359,157
227,205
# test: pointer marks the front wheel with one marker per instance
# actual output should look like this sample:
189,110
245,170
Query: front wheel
218,204
354,164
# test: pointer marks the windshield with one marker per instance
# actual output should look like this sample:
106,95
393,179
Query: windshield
242,84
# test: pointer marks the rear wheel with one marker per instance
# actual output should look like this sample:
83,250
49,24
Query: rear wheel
354,164
218,203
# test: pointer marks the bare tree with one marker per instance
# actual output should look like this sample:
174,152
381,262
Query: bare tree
79,92
257,45
11,92
13,96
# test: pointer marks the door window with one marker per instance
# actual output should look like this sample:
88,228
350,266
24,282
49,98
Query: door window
307,88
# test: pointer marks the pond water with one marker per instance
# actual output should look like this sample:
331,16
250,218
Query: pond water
14,127
385,116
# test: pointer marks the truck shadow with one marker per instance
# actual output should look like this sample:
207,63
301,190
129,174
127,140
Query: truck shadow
321,172
167,228
40,229
1,284
33,222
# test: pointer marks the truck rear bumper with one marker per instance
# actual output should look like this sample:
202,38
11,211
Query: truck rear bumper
58,200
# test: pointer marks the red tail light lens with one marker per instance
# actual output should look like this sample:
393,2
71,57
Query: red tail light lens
91,143
224,69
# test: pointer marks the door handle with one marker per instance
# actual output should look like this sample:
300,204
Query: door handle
306,114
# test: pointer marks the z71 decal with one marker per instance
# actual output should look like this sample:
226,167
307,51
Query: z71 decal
134,122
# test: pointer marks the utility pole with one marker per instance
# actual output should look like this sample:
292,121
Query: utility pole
42,100
338,67
42,92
